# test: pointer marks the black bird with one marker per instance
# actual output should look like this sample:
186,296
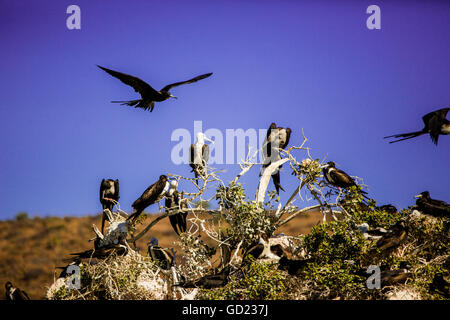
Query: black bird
389,208
148,94
101,253
163,257
337,177
199,155
109,194
293,267
440,284
437,208
173,199
435,124
15,293
276,137
209,281
151,195
392,239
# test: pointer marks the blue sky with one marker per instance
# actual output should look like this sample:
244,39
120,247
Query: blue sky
310,65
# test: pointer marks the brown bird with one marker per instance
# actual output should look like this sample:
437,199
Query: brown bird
148,95
437,208
151,195
209,281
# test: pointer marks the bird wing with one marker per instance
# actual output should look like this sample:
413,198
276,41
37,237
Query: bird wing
138,85
435,122
116,190
102,189
149,196
205,152
288,136
340,176
176,84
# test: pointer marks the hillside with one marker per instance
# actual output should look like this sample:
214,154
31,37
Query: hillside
31,248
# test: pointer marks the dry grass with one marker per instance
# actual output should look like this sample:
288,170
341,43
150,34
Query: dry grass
30,249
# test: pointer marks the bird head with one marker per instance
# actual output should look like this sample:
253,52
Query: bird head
330,164
153,242
163,177
201,138
8,285
425,195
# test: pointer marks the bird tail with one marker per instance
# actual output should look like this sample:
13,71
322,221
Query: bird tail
405,136
130,103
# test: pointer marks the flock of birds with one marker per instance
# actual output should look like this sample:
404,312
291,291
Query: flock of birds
277,138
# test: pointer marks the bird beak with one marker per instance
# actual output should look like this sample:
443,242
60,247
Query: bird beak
209,140
418,196
173,97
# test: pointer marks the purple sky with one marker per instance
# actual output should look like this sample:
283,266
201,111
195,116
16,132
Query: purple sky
303,64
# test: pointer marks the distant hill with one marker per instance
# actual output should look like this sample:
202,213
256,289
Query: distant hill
31,248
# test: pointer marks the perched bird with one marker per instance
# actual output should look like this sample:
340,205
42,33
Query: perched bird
392,277
435,124
437,208
262,250
293,267
13,293
209,281
441,284
389,208
163,257
101,253
173,199
337,177
76,262
392,239
151,195
199,155
276,138
148,95
109,195
372,234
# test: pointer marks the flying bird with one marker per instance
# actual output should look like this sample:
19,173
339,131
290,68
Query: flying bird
276,138
109,195
151,195
435,125
13,293
148,95
199,155
210,281
163,257
173,199
432,207
337,177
